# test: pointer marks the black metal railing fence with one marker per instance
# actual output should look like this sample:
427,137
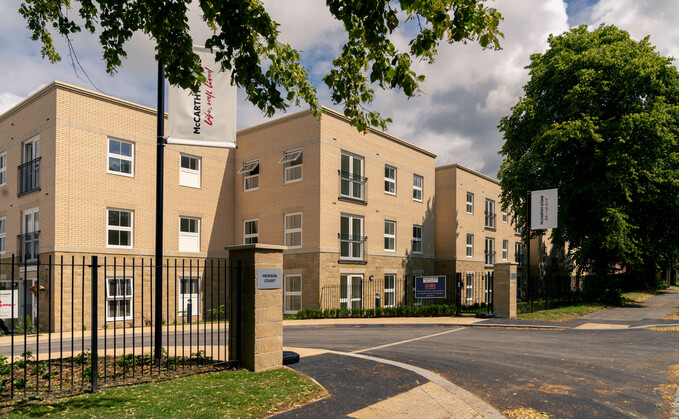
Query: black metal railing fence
78,323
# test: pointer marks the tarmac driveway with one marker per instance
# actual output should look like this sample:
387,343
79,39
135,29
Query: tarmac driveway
575,373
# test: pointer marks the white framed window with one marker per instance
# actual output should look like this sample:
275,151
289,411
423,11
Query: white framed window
3,235
250,171
118,299
490,251
292,294
31,149
189,171
189,234
389,236
505,249
470,203
119,228
418,182
30,229
470,245
293,166
3,168
389,180
293,230
469,286
351,237
490,213
120,157
505,216
352,182
417,239
251,231
189,296
389,290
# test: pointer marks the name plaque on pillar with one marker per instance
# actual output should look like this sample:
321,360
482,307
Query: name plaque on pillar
269,279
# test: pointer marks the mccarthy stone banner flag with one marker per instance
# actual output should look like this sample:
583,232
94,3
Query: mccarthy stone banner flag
208,117
544,209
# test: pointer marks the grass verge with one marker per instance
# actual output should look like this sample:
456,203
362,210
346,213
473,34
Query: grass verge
565,313
574,311
240,393
634,297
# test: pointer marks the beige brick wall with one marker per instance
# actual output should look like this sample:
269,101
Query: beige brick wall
453,223
85,122
33,118
378,150
274,198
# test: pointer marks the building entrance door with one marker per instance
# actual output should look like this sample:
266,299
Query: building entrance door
351,291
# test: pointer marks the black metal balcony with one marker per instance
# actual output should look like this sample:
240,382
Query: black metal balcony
28,247
29,177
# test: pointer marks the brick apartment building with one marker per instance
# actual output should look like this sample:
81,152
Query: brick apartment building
352,208
77,177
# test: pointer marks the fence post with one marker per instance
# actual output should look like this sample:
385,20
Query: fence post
95,321
504,290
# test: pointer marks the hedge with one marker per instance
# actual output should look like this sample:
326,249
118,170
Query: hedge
435,310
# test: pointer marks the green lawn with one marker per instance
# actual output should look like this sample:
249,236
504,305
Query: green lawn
576,310
241,394
564,313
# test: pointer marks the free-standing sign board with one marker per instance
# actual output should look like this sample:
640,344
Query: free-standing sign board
430,286
544,209
7,309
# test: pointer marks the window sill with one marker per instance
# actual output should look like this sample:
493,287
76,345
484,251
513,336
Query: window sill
352,262
27,192
111,172
489,228
353,200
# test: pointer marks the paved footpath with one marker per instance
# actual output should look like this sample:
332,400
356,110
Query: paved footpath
361,386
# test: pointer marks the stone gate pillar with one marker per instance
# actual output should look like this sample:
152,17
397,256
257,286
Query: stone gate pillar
260,319
504,290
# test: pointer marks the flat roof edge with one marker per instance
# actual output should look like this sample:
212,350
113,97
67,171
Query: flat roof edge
468,170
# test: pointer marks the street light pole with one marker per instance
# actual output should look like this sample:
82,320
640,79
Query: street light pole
160,170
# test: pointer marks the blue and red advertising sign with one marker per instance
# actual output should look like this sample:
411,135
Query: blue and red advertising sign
430,286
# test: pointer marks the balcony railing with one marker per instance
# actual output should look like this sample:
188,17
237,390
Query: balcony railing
351,247
28,247
29,177
352,186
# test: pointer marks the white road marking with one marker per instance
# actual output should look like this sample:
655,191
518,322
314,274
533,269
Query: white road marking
406,341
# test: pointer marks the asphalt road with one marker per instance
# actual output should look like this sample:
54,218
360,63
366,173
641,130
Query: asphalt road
565,373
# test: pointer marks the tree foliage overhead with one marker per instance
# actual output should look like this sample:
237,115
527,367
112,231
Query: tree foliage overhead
245,41
599,120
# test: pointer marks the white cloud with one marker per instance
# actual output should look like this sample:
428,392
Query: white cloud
640,18
8,100
467,90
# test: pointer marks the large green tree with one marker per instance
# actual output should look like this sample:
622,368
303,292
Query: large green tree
599,121
246,41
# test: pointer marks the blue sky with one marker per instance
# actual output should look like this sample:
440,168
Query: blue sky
467,90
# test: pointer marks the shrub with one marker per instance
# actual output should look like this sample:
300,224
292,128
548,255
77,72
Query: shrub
399,311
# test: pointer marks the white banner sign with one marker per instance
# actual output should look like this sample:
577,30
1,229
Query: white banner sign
544,209
208,117
7,309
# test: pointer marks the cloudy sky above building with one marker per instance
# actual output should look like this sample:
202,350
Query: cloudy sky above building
467,90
